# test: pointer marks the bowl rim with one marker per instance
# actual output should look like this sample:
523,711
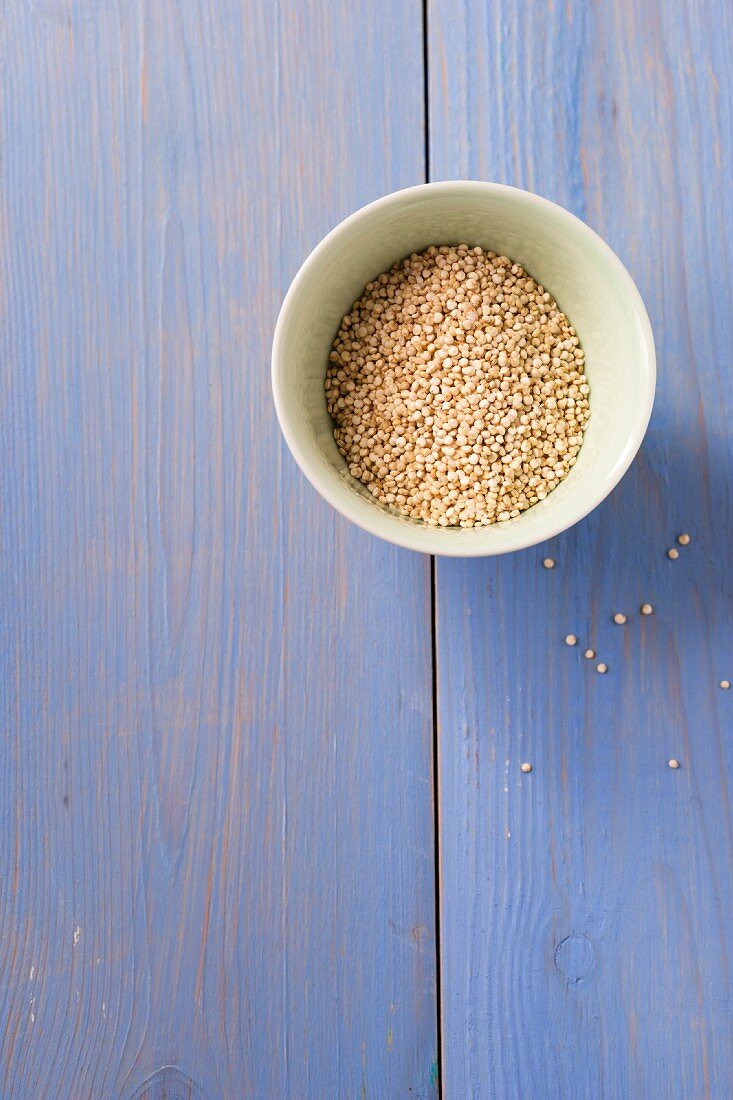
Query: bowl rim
436,540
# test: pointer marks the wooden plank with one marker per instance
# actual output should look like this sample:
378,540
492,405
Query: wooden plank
215,813
585,935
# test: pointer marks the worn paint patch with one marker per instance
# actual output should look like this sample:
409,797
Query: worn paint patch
363,1072
433,1078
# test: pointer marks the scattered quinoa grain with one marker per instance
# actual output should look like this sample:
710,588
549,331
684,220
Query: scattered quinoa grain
725,684
589,654
526,767
673,763
601,667
549,563
457,388
673,553
619,618
684,539
646,609
570,639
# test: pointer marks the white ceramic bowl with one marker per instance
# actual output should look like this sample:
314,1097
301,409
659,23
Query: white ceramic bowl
587,279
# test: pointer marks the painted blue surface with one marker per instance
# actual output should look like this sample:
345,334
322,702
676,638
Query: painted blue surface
585,907
216,765
216,826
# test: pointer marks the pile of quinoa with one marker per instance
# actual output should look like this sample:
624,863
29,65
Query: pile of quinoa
457,388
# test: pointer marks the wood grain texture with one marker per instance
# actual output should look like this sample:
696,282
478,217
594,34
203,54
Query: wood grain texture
586,940
215,812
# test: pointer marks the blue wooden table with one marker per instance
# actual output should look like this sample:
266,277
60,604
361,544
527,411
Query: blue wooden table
263,829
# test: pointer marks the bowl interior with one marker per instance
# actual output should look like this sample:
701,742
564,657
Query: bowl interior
589,284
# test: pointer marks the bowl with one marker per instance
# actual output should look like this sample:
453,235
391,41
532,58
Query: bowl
586,278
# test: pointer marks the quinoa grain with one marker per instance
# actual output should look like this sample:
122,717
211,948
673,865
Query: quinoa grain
457,388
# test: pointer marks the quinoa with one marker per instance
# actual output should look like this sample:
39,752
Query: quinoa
457,388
